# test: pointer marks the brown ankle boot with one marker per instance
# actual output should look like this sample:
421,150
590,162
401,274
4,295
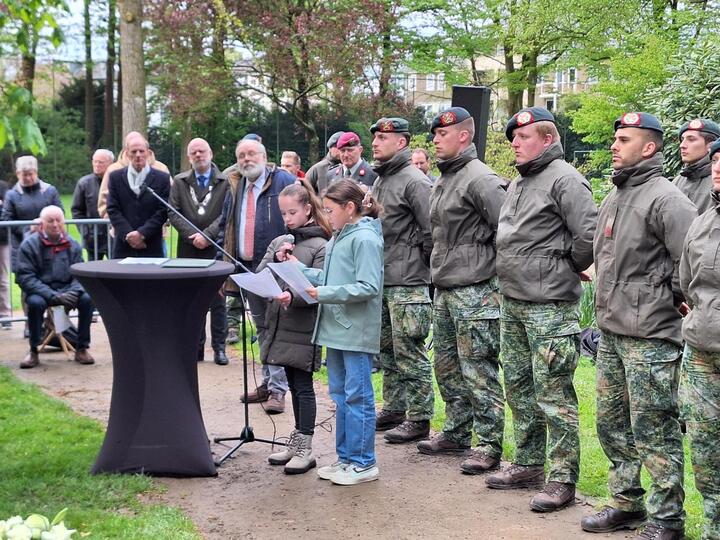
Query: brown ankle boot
479,462
82,356
31,360
517,477
275,404
385,419
440,444
258,395
554,496
409,431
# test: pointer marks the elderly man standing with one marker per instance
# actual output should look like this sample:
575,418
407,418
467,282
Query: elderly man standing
544,242
136,215
317,175
43,273
250,220
404,194
352,165
198,194
85,203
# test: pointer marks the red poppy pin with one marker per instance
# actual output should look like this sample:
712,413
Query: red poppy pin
362,172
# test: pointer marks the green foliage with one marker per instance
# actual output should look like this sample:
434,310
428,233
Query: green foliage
17,126
587,305
47,451
499,155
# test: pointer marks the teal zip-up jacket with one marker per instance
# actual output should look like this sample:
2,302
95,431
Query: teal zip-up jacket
350,289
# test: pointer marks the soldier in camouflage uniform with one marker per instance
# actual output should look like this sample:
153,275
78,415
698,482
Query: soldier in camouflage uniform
464,208
694,179
637,245
404,193
700,373
544,242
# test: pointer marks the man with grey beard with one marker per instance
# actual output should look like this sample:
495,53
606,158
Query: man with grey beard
250,220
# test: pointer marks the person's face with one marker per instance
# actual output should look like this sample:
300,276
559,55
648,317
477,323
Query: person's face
334,152
528,144
250,159
288,163
199,155
100,162
294,213
53,224
27,177
386,145
448,141
716,171
627,150
693,147
421,162
339,214
137,151
350,155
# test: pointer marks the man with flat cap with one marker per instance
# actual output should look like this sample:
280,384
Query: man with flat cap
638,245
695,179
544,243
464,207
404,193
352,165
317,175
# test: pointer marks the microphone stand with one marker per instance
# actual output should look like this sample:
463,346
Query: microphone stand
247,435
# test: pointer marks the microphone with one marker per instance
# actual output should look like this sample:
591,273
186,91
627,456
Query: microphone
144,188
289,238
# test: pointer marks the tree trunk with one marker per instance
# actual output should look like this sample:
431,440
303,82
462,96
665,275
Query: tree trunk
515,94
530,66
108,136
134,108
89,89
27,72
386,61
186,136
119,128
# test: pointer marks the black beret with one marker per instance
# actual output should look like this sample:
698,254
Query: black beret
714,148
391,125
700,124
638,120
449,117
526,116
333,140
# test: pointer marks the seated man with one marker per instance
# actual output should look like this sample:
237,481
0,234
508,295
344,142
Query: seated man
43,273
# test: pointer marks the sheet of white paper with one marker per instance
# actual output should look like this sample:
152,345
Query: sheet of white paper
144,260
289,272
263,283
60,319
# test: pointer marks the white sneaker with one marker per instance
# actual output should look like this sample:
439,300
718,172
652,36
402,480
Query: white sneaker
328,471
352,474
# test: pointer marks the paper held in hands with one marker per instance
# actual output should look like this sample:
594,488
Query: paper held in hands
289,272
263,283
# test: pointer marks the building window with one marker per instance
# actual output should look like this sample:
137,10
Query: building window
430,82
440,84
412,82
550,104
573,75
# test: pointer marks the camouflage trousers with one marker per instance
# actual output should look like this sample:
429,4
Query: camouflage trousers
407,372
700,401
540,346
466,345
637,424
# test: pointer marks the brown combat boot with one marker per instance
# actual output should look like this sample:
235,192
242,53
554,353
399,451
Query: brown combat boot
258,395
275,404
610,519
554,496
385,419
517,477
82,356
31,360
479,462
409,431
440,444
653,531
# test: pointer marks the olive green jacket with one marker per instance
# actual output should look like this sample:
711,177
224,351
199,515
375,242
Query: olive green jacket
695,181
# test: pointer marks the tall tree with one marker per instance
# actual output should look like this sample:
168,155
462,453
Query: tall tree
132,59
108,136
89,89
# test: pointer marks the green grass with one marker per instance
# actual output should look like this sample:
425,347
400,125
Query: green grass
47,451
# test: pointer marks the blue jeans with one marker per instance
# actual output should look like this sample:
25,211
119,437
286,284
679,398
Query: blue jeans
351,390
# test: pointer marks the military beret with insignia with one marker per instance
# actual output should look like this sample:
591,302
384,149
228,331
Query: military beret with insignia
449,117
714,148
391,125
700,124
349,139
528,115
638,120
333,140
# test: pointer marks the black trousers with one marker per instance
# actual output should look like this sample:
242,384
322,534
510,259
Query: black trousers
218,325
303,399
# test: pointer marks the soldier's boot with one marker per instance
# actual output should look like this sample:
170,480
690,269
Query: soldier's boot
479,462
610,519
385,419
409,431
287,453
303,460
517,477
654,531
554,496
440,444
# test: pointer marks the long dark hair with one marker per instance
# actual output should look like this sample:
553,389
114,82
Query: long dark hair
345,191
306,195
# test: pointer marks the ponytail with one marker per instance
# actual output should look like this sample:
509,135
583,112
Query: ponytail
306,195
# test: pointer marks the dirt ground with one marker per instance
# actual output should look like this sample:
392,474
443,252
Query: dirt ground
416,496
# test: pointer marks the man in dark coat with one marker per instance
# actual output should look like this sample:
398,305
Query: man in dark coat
317,175
136,215
198,194
352,165
43,273
85,204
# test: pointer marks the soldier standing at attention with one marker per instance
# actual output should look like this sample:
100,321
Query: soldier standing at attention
638,245
404,193
695,179
464,208
544,242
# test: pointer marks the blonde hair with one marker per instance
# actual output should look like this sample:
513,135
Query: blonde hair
545,127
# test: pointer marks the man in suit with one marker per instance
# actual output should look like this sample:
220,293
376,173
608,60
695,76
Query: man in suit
198,194
352,165
135,214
